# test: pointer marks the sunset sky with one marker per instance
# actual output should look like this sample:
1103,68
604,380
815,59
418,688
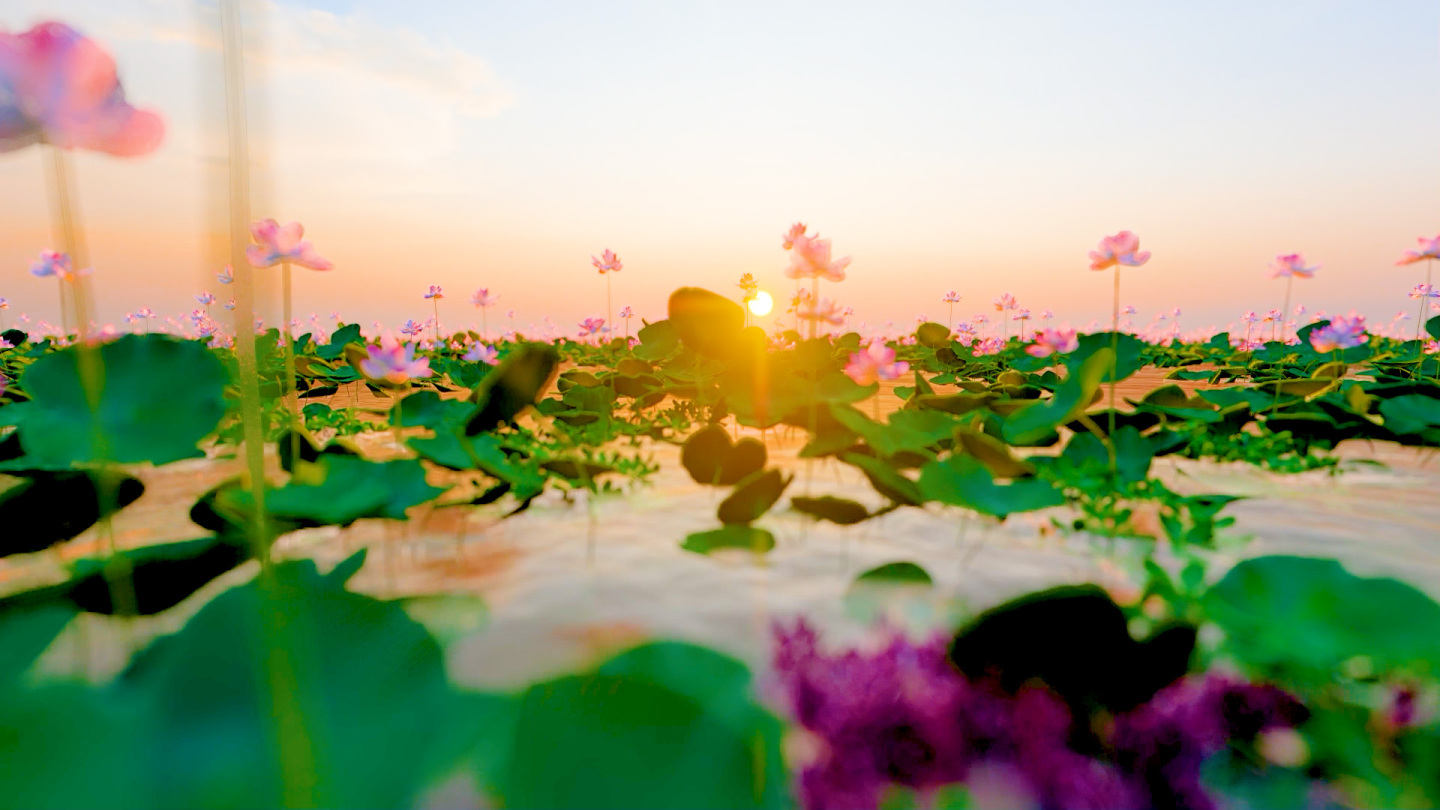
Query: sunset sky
972,146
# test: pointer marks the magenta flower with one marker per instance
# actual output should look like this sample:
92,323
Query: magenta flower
1291,265
412,328
626,313
1121,249
281,244
875,363
58,87
810,258
205,298
607,262
226,276
435,292
950,298
1341,332
591,326
484,298
1053,341
394,364
1429,249
480,353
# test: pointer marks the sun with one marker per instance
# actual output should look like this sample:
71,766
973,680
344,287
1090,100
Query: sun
761,303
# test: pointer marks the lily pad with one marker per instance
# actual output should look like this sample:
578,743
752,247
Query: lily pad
155,398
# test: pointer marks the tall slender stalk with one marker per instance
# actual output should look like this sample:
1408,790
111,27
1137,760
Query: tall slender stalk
296,754
1289,284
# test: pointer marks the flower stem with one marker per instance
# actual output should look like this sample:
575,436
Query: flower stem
1114,371
1280,323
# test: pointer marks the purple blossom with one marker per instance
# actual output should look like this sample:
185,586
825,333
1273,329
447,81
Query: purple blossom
901,715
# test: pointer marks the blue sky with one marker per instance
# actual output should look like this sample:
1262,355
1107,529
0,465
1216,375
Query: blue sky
981,147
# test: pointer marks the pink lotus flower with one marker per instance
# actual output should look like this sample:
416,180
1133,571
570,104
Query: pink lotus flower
797,231
4,304
1004,301
435,292
1047,314
205,298
877,362
1293,265
824,310
988,346
60,88
1022,315
1053,341
1128,310
145,312
1432,347
412,328
229,305
1341,332
1249,317
55,264
1429,249
480,353
626,313
592,326
1121,249
226,276
748,285
1424,291
810,258
607,262
394,363
950,298
483,297
283,244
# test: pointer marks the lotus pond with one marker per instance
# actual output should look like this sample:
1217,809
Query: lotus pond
706,567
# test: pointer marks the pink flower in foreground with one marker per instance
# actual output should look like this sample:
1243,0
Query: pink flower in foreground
1291,264
480,353
787,240
1053,341
1341,332
607,262
877,362
1121,249
281,244
394,364
483,297
1432,347
823,310
810,258
58,87
1429,249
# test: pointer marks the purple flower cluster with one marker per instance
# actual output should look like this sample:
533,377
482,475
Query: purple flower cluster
901,715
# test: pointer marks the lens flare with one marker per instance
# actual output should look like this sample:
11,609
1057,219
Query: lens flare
761,303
